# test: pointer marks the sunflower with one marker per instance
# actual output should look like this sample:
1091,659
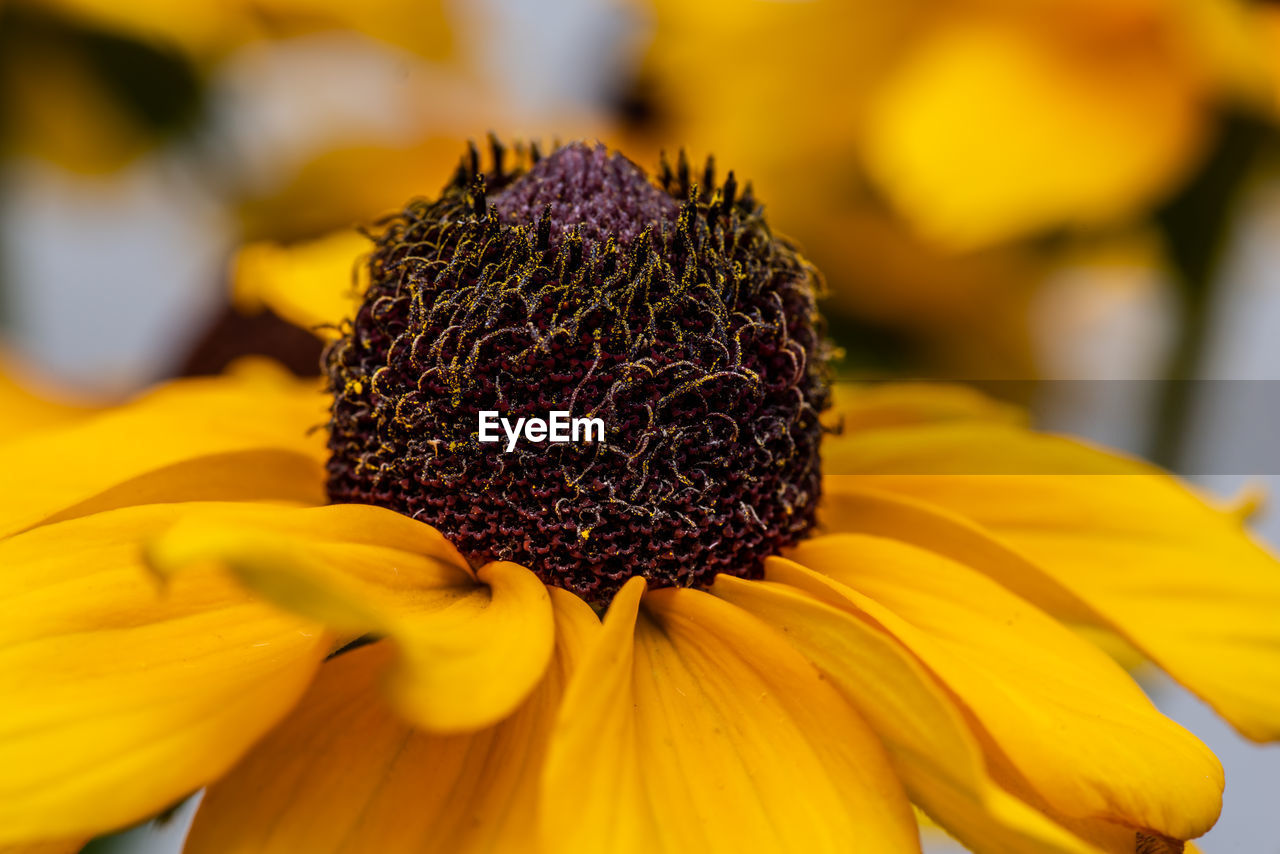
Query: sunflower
387,636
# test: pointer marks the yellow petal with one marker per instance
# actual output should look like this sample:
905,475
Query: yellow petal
691,726
930,745
315,285
865,406
345,773
847,507
188,440
120,698
1070,720
989,131
1178,578
29,404
470,650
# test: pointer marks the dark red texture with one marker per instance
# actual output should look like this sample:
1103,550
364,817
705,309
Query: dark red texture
675,315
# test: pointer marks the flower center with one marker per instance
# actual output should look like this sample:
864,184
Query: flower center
665,321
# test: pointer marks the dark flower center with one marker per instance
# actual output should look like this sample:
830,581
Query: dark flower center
668,312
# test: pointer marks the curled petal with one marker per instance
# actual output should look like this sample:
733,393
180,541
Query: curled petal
121,698
345,773
471,646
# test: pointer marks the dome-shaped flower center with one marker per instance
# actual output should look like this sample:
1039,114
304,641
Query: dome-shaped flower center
676,337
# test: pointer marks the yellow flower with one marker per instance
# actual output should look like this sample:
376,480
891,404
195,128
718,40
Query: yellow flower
982,122
183,607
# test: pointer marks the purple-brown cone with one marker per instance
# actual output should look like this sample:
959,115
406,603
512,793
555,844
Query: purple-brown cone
668,311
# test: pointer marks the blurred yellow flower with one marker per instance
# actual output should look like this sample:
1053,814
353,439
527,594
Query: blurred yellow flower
982,121
994,126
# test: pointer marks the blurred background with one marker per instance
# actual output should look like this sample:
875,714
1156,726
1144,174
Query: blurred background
1074,204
